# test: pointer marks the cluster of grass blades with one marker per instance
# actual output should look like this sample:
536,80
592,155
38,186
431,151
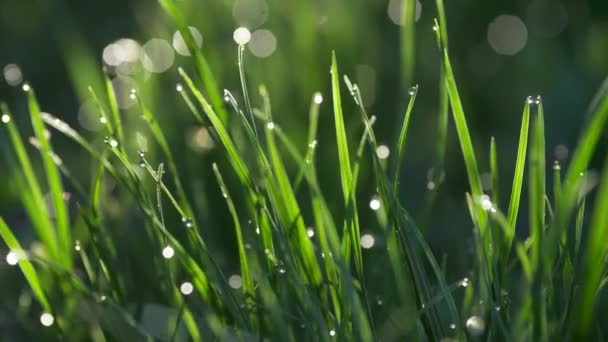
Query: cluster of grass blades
296,282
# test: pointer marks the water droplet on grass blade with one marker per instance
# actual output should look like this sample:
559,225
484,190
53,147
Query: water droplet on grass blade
317,98
310,232
374,203
476,325
12,258
6,118
186,288
270,125
367,241
187,222
413,90
168,252
47,319
26,87
235,281
110,142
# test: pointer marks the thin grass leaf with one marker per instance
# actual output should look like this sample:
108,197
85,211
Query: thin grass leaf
346,175
536,203
114,111
35,199
593,264
518,179
494,172
400,147
287,200
245,271
26,266
64,235
202,67
408,42
578,164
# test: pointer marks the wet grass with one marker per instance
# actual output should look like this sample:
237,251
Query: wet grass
303,273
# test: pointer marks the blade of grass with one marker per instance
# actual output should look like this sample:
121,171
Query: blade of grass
579,163
245,271
494,172
593,264
64,235
288,200
26,266
346,176
408,42
536,214
518,179
202,67
400,147
41,222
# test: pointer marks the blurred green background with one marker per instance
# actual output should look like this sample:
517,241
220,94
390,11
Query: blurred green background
502,51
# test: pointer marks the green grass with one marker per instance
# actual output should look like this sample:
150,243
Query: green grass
301,270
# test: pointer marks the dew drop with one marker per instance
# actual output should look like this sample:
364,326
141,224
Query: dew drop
26,87
367,241
317,98
452,326
103,120
413,90
282,270
435,27
6,118
47,319
168,252
110,142
310,232
464,282
77,246
235,281
476,325
530,100
12,258
556,166
374,203
270,125
141,153
179,87
332,332
187,222
186,288
538,100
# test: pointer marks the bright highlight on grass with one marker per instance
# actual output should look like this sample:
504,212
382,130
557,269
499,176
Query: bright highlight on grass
374,203
186,288
168,252
241,35
47,319
12,258
367,241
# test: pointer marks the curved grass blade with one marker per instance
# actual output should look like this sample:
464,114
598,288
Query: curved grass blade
579,163
26,266
64,235
245,271
35,199
202,67
518,179
593,264
400,147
